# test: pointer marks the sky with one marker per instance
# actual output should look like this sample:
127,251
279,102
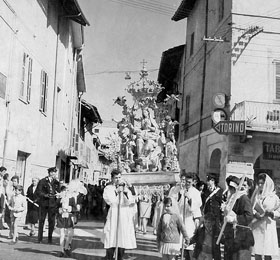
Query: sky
119,37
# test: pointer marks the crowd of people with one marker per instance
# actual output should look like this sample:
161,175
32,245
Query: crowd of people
193,218
48,197
190,219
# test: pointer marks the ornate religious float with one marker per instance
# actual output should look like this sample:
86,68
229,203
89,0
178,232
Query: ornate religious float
145,147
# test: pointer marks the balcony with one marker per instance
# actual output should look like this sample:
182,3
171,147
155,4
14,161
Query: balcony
259,116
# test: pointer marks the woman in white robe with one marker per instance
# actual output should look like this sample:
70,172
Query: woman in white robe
264,200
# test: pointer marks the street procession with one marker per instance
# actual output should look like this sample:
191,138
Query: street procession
140,129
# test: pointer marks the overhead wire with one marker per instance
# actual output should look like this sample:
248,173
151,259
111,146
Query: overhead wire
117,71
147,6
153,6
259,19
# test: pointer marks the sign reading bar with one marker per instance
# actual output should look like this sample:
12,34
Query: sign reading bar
230,127
271,151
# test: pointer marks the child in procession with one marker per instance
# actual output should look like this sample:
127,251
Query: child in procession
168,232
205,239
65,220
17,207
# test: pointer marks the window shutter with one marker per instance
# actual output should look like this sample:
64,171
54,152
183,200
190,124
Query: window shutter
29,79
46,93
77,143
277,79
73,138
42,91
22,87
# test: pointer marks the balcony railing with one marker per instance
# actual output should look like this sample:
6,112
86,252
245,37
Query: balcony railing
259,116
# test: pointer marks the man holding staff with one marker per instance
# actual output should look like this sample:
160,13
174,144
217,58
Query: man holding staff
238,236
119,233
189,203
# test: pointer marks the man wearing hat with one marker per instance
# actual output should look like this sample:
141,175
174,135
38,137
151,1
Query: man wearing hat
212,205
46,191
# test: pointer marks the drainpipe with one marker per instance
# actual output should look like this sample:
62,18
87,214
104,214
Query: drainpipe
203,88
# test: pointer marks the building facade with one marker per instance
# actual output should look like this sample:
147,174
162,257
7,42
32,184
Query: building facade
41,80
229,71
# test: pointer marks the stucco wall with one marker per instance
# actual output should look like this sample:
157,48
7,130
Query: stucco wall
31,27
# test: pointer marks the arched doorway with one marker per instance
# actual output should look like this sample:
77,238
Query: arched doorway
215,162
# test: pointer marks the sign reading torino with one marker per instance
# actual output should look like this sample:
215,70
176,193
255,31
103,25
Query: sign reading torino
230,127
271,151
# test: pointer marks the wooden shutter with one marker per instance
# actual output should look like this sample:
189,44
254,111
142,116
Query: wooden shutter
77,143
277,79
22,86
42,91
29,79
73,138
46,93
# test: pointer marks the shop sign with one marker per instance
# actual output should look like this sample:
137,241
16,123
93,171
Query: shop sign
231,127
239,168
271,151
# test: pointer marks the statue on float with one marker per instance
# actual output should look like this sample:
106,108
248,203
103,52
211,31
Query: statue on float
147,145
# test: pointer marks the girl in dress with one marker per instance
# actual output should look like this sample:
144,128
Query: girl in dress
65,219
168,232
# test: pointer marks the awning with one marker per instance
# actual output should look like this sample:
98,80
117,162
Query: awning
90,112
72,8
183,10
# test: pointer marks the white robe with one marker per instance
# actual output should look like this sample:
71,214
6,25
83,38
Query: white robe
124,237
191,211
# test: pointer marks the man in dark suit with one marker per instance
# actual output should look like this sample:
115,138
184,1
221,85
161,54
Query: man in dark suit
46,191
212,205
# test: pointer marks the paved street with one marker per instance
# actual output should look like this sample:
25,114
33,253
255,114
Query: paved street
87,245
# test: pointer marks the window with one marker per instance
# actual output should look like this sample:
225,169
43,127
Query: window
221,9
187,117
25,87
21,165
3,80
192,44
88,154
96,130
44,92
277,79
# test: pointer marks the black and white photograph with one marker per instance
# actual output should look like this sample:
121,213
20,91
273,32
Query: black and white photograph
140,129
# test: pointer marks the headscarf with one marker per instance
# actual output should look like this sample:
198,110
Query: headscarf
268,198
